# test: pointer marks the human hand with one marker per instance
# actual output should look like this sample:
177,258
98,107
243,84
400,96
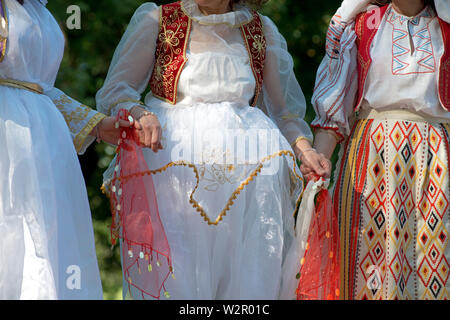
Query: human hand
108,131
314,164
148,128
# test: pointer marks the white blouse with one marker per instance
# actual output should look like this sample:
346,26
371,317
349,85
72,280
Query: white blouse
217,70
404,73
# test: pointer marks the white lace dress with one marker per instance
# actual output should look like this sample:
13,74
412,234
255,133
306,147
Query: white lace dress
47,248
213,127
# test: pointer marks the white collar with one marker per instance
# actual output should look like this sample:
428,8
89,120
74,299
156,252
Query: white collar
239,16
393,15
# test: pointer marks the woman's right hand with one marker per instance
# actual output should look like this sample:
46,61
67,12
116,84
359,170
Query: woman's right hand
148,128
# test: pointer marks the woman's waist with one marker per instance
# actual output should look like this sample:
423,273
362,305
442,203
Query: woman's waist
400,114
23,85
192,102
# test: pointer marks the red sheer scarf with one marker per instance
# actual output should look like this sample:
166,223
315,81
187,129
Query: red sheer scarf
146,258
319,276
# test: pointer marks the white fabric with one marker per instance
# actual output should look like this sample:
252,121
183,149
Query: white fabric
239,16
242,257
217,52
409,80
349,9
297,250
45,218
404,74
336,85
443,9
80,119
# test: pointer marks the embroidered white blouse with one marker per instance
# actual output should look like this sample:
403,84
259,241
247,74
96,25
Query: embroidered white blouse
404,74
218,68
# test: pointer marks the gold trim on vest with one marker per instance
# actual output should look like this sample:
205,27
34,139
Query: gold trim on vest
173,37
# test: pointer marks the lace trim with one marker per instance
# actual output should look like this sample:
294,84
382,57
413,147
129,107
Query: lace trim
81,137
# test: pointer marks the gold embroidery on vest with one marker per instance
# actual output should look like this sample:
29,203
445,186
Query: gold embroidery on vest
255,42
171,57
173,37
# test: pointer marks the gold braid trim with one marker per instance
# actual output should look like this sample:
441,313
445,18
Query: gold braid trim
171,47
103,189
233,196
33,87
255,43
81,137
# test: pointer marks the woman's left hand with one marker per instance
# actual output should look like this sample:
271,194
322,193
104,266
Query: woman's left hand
315,164
108,131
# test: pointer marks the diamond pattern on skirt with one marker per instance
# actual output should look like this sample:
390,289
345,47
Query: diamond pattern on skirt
404,214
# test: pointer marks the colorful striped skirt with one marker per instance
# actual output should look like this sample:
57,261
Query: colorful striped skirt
392,184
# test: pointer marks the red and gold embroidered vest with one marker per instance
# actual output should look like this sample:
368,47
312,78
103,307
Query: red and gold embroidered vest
366,30
170,57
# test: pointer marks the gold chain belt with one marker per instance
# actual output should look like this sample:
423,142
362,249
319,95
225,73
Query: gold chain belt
33,87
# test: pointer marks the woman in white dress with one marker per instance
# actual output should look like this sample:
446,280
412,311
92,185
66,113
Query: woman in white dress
47,249
229,228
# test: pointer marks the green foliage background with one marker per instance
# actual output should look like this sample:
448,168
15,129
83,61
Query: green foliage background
88,54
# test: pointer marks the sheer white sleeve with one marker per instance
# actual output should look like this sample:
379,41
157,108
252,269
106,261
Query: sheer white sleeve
337,80
80,119
443,9
132,63
282,98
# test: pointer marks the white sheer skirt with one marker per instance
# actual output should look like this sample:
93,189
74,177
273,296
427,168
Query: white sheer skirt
47,249
242,256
